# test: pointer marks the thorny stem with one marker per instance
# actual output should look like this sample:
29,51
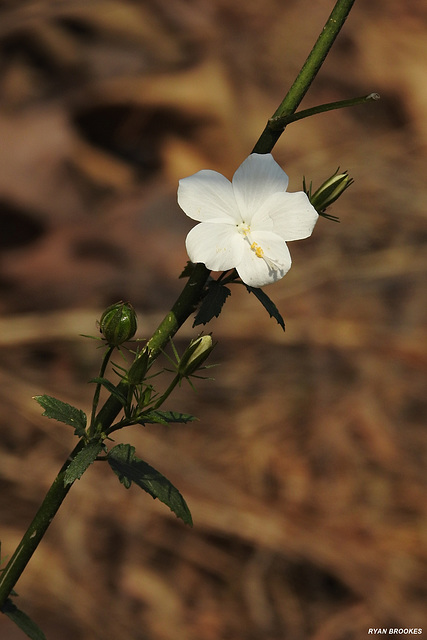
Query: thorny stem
181,310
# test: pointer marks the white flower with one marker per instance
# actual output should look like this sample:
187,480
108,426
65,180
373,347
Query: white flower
245,224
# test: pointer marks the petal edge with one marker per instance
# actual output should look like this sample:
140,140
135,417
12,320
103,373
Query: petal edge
207,196
257,178
218,246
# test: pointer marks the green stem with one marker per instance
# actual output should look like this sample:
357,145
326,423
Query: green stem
167,393
156,405
181,310
296,93
97,393
35,532
280,122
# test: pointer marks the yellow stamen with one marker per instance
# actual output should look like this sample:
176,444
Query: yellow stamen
258,251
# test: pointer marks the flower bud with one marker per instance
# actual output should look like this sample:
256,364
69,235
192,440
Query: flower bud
136,373
330,191
195,355
118,323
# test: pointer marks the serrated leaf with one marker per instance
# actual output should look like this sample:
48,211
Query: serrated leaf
212,303
23,621
188,270
111,388
82,461
129,468
267,304
165,417
63,412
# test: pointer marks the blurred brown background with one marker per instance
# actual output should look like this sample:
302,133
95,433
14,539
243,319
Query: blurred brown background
306,472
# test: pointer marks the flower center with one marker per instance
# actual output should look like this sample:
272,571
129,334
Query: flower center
243,228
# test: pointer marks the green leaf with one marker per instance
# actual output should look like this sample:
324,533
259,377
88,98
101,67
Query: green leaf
188,270
129,468
82,461
63,412
165,417
212,303
23,621
267,304
111,388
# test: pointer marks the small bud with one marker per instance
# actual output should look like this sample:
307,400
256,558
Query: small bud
329,191
136,373
118,323
195,355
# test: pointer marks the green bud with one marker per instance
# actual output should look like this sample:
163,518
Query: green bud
136,373
118,323
329,191
195,355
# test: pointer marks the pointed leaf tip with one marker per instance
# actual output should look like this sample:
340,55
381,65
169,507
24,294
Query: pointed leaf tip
23,621
165,417
212,303
63,412
128,468
82,461
267,304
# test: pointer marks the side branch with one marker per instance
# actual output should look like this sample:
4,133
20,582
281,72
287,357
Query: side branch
279,123
296,93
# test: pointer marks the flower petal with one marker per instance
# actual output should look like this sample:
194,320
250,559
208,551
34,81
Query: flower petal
208,196
292,214
259,271
257,178
218,246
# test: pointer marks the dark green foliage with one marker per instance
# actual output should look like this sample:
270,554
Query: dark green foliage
212,303
188,270
63,412
82,461
267,304
22,621
165,417
111,388
129,468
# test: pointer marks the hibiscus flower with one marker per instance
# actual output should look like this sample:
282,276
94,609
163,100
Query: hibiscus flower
245,224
